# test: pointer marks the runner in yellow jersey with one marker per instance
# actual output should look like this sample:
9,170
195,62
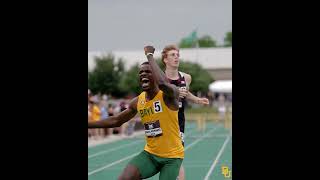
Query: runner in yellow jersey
157,106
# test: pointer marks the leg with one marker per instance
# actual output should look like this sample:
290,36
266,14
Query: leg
101,132
181,173
144,164
110,131
91,132
123,128
131,172
170,170
96,133
131,128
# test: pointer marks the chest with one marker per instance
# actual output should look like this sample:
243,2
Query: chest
151,109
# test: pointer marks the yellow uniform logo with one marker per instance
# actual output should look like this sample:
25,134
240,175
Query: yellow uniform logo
226,171
146,112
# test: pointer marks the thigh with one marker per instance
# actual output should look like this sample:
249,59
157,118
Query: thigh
130,172
146,165
170,169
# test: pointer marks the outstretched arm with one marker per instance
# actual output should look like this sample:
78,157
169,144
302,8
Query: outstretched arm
119,119
189,96
197,100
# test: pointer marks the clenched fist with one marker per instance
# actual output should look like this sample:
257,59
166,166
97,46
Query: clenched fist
203,101
148,49
183,92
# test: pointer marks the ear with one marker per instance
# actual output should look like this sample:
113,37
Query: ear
165,60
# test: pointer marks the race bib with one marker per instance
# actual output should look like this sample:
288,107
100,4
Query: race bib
157,107
182,136
153,129
180,99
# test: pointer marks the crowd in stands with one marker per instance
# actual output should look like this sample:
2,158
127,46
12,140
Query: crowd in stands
100,107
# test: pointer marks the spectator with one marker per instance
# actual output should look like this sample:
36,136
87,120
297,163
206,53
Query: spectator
109,131
104,116
95,114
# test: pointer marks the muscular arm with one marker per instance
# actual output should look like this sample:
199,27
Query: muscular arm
158,74
119,119
170,91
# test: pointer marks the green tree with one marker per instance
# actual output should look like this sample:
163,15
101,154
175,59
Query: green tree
189,41
207,41
130,81
184,44
110,77
228,39
200,77
105,76
193,41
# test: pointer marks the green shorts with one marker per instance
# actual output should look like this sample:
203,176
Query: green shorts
149,165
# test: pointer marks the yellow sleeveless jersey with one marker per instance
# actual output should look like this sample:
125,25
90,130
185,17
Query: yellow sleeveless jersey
161,127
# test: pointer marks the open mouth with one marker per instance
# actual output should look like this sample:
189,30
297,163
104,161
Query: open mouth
145,82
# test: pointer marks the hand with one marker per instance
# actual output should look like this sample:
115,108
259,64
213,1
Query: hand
183,92
203,101
148,49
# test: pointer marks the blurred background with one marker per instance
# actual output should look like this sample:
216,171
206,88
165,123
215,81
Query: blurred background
117,33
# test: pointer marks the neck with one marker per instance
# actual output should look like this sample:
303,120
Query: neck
150,94
172,72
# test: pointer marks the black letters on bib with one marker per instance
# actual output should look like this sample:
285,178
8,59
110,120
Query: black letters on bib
153,129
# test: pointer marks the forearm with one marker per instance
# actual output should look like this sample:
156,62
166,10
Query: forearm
108,123
192,98
159,75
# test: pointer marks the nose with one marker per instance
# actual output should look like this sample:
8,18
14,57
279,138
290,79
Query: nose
143,74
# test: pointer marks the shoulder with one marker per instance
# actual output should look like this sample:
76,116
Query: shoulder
187,77
172,102
133,103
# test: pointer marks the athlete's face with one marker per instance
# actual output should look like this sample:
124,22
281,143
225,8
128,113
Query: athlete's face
145,77
172,59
